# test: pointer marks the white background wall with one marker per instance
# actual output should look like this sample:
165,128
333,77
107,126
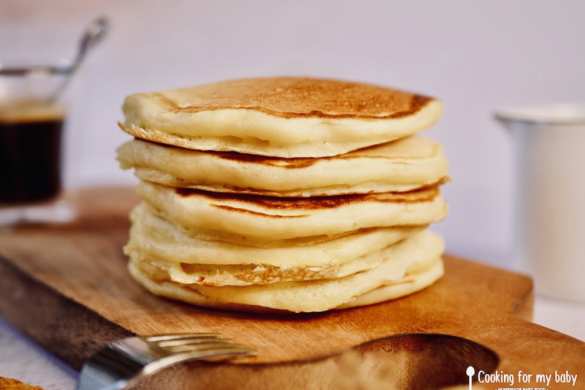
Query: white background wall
475,55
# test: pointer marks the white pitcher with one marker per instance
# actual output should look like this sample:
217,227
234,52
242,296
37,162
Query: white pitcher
549,147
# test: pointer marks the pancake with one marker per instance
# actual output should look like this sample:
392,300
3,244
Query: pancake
260,218
421,253
403,165
279,116
411,283
193,260
259,274
153,237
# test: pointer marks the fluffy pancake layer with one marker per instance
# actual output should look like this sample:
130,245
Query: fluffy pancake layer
155,237
265,218
403,165
279,117
204,260
407,266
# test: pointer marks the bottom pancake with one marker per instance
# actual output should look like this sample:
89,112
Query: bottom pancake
411,283
416,264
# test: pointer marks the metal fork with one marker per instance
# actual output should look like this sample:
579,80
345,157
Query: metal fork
122,362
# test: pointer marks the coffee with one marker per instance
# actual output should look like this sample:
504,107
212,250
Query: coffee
30,153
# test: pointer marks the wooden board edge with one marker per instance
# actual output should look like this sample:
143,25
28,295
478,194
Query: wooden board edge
523,307
54,309
57,311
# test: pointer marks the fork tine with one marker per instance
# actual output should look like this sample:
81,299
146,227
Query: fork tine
190,341
225,351
180,336
228,352
206,347
220,357
209,355
193,345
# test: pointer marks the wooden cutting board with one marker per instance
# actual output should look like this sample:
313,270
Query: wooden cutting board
67,287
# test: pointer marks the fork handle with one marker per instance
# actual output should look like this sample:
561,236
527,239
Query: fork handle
109,370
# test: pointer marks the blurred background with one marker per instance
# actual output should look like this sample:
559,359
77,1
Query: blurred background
476,56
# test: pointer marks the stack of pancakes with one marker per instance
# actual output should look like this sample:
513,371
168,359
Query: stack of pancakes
285,193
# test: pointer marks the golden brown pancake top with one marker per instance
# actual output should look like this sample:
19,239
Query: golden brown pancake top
298,97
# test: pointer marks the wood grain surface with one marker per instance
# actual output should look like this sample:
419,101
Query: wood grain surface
67,286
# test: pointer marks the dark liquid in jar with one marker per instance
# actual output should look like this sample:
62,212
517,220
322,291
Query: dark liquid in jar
30,158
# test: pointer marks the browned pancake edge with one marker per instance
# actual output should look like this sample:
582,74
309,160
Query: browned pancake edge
423,194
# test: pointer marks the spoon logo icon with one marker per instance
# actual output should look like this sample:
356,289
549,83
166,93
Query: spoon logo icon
470,373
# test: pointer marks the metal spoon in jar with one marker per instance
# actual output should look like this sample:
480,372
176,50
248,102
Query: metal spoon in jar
92,35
